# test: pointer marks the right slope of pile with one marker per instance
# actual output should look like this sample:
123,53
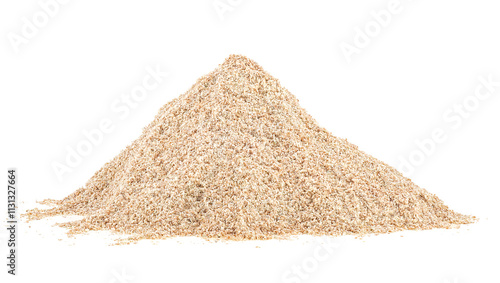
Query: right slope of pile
236,157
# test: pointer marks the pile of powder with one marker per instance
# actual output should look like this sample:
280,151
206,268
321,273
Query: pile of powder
236,157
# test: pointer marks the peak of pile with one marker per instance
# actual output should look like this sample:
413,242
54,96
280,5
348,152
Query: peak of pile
236,157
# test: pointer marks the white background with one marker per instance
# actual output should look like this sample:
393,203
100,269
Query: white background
392,93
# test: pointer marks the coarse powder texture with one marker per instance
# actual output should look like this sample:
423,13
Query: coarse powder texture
236,157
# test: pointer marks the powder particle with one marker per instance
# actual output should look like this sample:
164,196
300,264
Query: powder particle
236,157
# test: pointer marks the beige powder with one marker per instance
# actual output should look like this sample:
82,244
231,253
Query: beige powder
236,157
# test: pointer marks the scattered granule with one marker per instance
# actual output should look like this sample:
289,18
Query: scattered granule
237,158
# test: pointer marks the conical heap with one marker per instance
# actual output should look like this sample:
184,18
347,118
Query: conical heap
236,157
